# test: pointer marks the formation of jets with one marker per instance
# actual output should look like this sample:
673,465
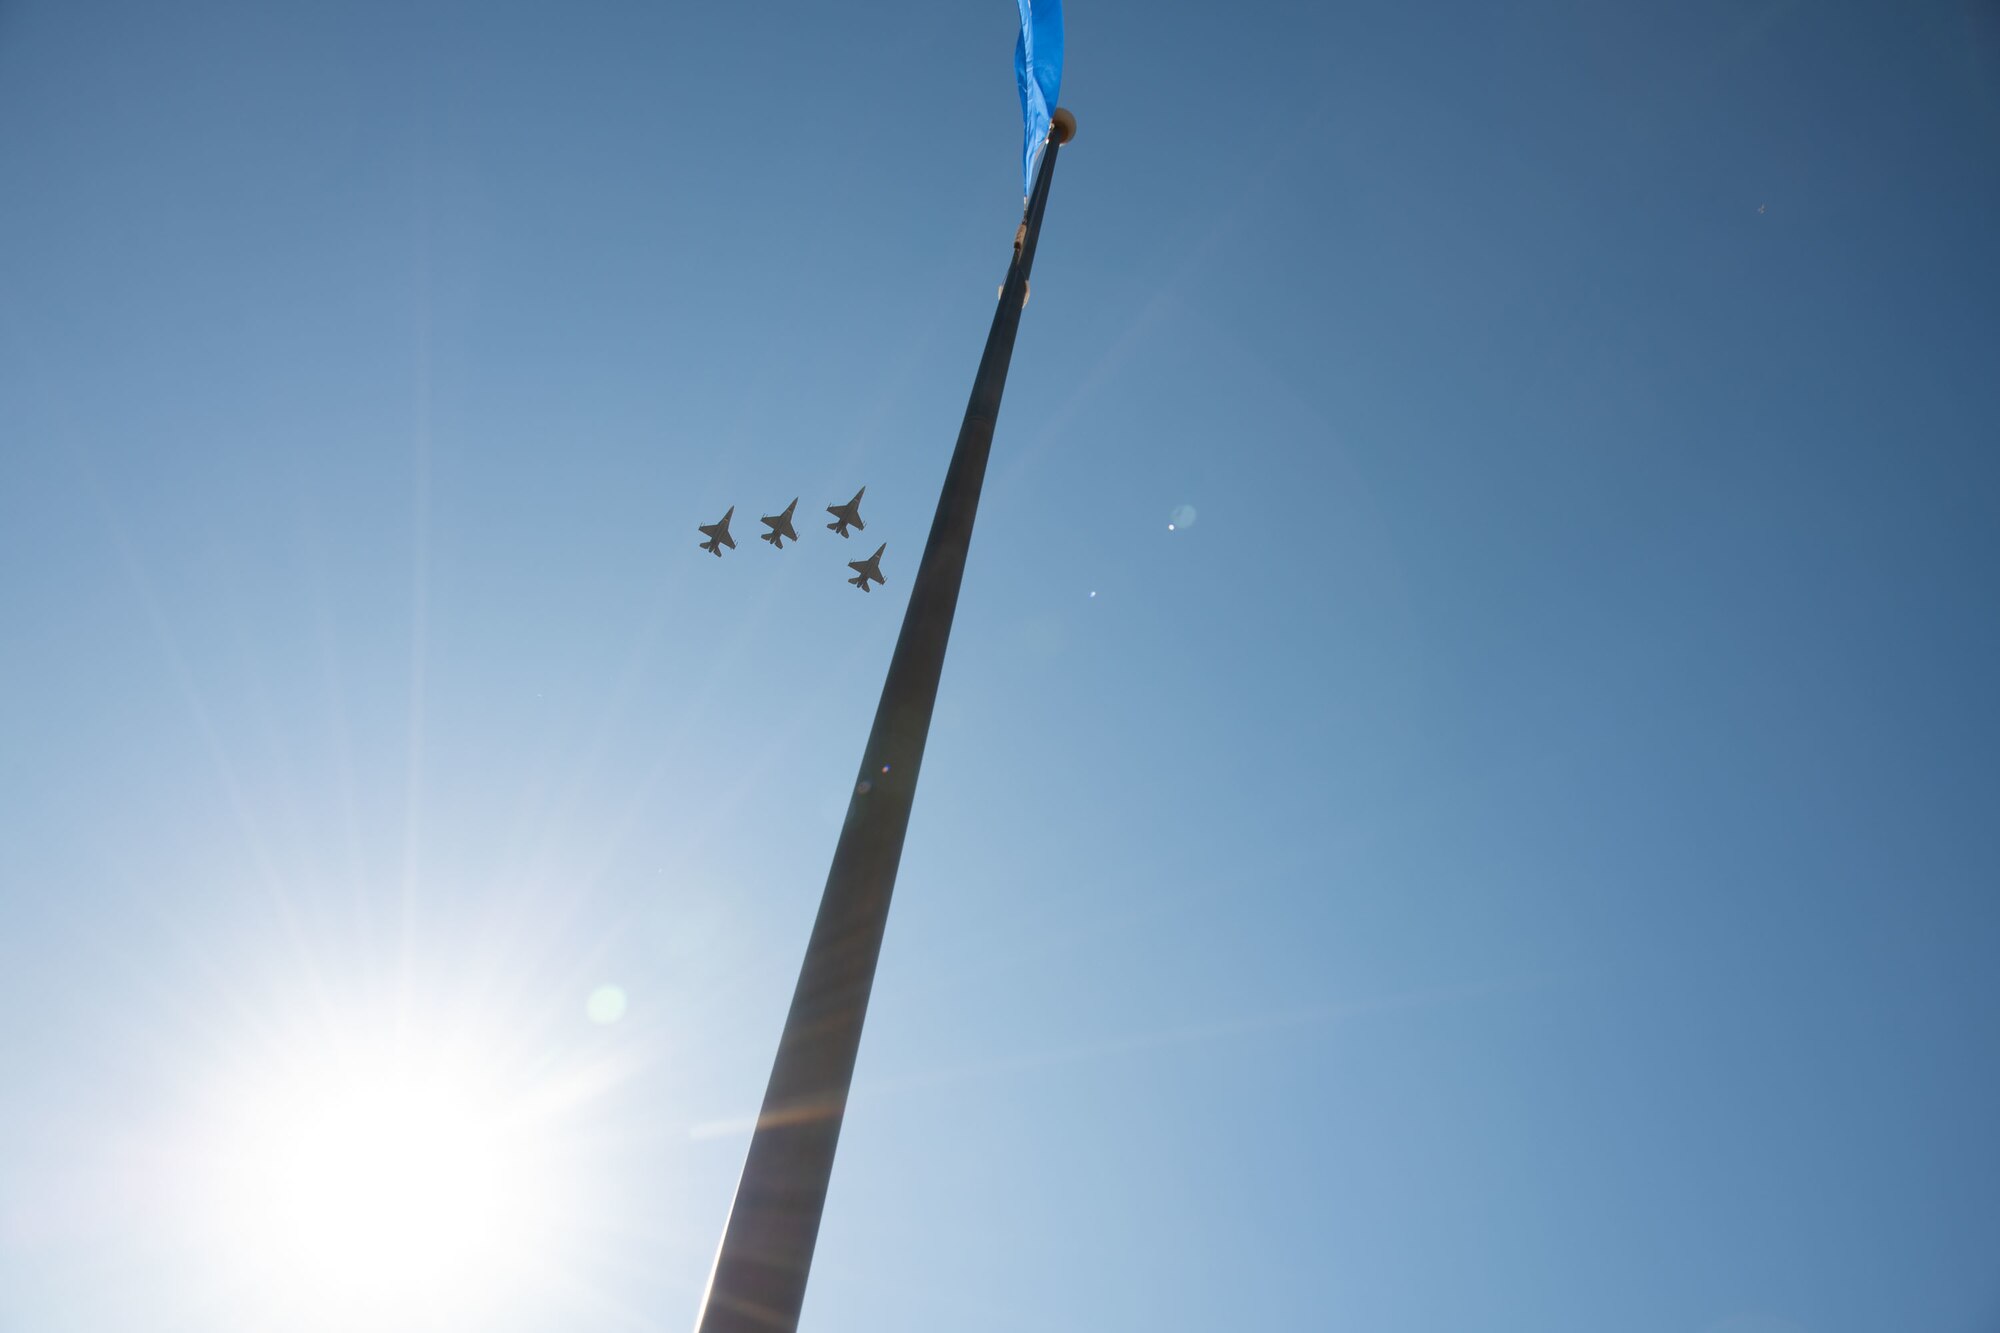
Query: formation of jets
845,516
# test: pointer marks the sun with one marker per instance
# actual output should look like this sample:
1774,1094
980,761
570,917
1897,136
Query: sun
390,1179
396,1183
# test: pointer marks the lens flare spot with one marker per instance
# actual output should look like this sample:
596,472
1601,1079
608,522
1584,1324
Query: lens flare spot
606,1004
1181,519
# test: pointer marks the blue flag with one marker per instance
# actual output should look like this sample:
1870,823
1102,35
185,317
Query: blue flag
1038,69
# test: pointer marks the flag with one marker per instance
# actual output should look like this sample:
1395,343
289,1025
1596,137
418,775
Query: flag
1038,55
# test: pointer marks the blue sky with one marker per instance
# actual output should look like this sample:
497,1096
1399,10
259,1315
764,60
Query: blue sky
1522,858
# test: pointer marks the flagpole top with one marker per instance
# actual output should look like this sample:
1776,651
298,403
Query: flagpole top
1062,125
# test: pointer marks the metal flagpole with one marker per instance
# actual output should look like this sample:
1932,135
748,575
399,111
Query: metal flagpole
759,1279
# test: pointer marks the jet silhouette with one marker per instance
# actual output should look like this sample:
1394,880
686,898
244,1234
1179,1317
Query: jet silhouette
780,526
847,513
871,568
718,535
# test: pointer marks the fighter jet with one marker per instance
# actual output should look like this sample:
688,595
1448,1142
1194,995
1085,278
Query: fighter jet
780,526
847,513
718,535
871,568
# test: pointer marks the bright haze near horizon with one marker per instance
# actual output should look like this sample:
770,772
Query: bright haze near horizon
1516,854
